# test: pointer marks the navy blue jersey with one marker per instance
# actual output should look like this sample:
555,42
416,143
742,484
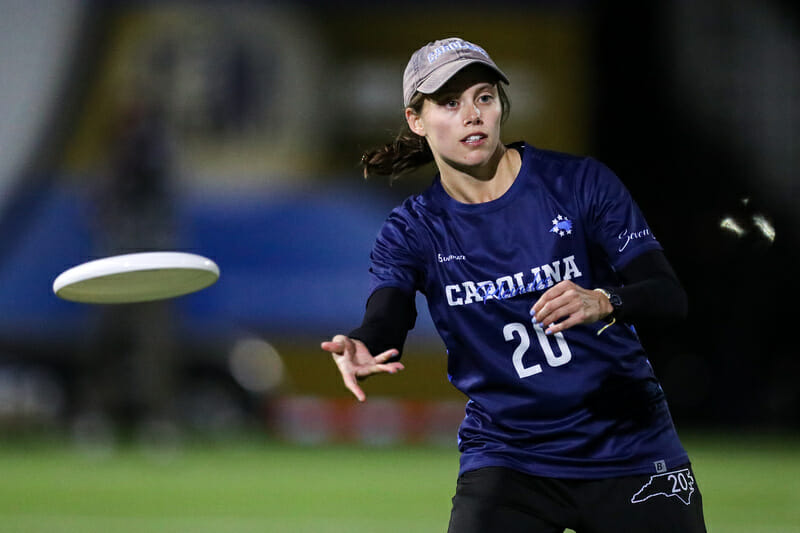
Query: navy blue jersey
574,404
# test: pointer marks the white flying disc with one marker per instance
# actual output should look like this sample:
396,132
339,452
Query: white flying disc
138,277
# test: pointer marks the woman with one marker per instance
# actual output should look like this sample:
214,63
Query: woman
533,263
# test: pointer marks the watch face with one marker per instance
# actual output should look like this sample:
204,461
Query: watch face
615,300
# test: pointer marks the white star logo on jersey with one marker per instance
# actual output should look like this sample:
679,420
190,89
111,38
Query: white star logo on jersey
561,226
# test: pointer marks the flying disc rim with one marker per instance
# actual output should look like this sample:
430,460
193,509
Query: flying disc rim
194,272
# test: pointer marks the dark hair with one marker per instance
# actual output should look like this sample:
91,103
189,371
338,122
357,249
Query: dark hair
410,151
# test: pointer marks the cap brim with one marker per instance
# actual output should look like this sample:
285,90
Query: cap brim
439,77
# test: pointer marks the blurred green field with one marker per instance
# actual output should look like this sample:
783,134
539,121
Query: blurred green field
750,484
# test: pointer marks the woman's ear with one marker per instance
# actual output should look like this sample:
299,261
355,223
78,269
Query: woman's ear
414,121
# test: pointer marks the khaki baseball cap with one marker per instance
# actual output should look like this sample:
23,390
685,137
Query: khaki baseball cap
432,65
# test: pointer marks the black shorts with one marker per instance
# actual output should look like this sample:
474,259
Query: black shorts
502,500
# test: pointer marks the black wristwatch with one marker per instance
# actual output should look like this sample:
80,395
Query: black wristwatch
616,302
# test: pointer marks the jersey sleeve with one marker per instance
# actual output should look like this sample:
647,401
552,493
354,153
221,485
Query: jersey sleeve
396,260
617,224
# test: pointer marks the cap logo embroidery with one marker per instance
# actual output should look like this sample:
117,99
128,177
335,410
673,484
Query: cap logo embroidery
452,46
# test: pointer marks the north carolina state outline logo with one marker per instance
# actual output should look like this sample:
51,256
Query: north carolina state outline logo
677,484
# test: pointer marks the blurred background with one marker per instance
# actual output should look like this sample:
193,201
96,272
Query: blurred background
233,130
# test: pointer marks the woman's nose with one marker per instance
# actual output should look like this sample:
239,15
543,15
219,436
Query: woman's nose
473,115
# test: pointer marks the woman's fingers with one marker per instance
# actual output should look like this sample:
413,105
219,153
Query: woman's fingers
385,356
559,309
379,364
338,345
355,362
390,368
351,383
553,308
565,305
564,324
332,347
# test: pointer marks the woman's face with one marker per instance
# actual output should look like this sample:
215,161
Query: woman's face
461,122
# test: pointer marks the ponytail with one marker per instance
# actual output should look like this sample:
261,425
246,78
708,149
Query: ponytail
405,154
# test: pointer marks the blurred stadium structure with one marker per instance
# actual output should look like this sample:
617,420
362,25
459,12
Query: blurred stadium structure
233,130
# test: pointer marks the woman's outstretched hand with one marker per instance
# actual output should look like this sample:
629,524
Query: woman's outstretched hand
354,361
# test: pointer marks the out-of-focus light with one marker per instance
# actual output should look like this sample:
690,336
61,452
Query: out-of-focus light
256,365
765,227
93,435
731,225
29,393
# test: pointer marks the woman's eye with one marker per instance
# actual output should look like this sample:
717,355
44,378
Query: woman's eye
485,98
451,104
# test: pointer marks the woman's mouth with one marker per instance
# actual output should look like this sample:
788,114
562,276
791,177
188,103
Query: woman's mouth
475,138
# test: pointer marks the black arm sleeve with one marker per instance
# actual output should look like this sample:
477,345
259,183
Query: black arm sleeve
390,314
651,289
